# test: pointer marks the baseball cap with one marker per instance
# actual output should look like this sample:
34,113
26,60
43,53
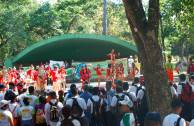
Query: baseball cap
3,102
182,77
48,90
2,86
176,103
119,82
112,91
127,102
154,116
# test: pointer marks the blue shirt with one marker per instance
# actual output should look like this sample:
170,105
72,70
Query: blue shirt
86,95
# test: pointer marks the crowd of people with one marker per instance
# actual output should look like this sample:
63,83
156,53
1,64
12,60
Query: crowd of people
94,106
25,99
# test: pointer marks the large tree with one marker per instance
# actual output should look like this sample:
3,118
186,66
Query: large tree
145,33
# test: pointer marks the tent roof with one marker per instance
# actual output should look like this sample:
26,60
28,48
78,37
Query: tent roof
79,47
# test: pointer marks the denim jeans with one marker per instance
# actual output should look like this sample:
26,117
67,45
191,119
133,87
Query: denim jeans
27,123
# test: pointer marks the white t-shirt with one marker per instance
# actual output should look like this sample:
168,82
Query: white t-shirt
179,88
192,123
75,123
80,101
173,91
171,120
133,88
1,96
5,115
131,119
32,100
130,61
26,112
17,109
114,99
47,112
96,99
133,96
21,97
140,94
66,96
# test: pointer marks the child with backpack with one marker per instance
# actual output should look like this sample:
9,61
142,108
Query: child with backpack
94,104
39,112
127,107
116,106
14,108
27,114
136,87
78,107
68,121
53,110
185,94
174,119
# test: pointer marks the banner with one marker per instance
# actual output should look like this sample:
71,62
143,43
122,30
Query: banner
57,63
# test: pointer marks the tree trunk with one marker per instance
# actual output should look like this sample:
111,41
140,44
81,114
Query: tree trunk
145,33
162,36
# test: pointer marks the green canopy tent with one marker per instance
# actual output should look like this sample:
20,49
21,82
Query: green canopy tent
80,47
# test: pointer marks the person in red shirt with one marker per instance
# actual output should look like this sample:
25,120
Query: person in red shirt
82,74
19,82
31,72
63,73
190,68
121,70
88,74
99,73
134,71
113,58
36,77
55,76
13,74
48,72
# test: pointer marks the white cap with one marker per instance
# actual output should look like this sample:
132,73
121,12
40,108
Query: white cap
48,90
127,102
131,56
3,102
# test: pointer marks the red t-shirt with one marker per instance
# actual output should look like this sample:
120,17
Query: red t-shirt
36,76
13,74
54,75
62,71
19,80
98,71
88,73
107,72
31,73
121,70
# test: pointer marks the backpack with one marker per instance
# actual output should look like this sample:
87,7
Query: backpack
76,109
6,95
178,121
138,88
187,93
97,114
119,106
143,103
14,119
40,116
54,112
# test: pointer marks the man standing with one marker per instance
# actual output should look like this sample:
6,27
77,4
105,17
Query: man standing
63,74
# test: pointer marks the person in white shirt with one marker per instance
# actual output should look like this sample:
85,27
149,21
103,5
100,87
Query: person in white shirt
66,111
14,108
90,104
192,123
27,114
131,95
128,118
1,89
11,89
183,91
115,102
81,102
31,96
22,96
130,61
48,110
173,91
135,88
6,118
174,118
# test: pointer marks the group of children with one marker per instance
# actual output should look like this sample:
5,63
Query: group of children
95,106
